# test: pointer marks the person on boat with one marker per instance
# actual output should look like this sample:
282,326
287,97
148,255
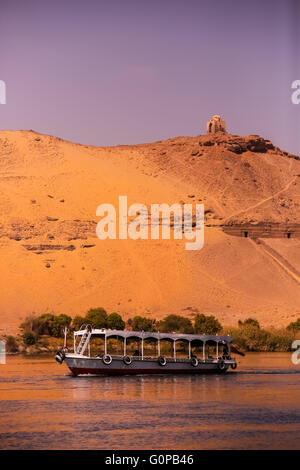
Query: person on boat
136,353
225,351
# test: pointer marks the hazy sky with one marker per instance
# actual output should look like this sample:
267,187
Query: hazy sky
130,71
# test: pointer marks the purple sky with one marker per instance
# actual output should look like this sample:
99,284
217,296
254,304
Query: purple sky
130,71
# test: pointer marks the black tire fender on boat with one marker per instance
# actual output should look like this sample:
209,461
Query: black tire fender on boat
107,359
162,361
221,365
233,366
60,356
58,359
194,361
127,360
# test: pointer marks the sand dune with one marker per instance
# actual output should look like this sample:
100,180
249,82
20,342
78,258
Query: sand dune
52,261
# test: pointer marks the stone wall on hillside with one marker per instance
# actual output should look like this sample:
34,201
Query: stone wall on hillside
263,230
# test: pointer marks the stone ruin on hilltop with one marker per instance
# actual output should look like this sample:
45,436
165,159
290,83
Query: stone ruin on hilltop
215,125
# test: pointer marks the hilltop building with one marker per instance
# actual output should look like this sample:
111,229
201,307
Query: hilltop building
215,125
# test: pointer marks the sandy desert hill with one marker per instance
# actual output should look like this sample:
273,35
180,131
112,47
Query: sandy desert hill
52,261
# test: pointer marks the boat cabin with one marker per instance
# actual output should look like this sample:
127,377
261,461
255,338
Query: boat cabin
100,342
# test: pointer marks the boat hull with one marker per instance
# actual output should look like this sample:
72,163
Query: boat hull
95,366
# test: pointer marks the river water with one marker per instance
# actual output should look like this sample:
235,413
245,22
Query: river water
255,407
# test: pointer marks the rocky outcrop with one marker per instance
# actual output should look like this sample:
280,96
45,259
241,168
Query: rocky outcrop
240,144
22,229
44,247
252,143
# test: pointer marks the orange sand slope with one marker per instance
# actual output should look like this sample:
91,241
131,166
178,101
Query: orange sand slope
52,261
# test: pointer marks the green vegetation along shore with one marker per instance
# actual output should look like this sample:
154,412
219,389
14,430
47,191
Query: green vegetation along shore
43,334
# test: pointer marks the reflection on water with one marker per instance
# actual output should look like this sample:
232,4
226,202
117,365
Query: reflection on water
255,407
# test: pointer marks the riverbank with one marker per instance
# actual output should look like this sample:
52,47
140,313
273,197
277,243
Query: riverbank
246,340
45,346
250,338
44,334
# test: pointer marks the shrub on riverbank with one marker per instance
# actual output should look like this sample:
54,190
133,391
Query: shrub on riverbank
28,338
294,326
115,322
98,318
46,324
176,324
33,324
251,338
139,323
249,322
206,325
11,344
78,322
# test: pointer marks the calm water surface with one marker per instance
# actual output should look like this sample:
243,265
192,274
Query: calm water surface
255,407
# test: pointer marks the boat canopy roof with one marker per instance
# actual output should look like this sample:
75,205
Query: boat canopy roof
153,335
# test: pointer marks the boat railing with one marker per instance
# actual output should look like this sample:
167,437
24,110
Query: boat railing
88,332
168,358
146,358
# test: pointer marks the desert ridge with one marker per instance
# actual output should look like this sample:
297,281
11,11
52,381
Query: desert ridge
53,261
